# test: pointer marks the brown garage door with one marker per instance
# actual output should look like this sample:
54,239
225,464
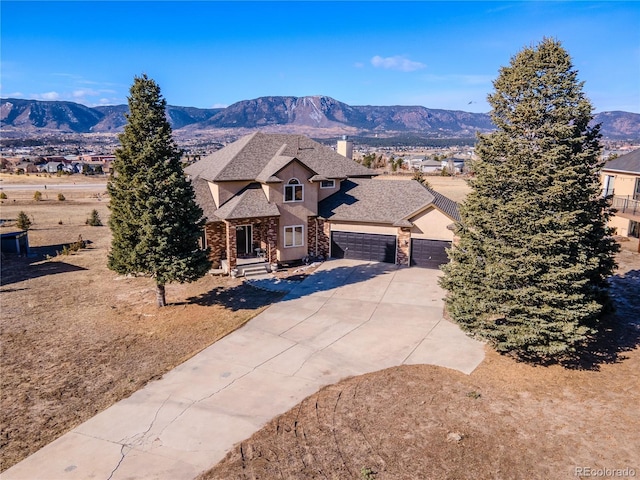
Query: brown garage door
364,246
429,253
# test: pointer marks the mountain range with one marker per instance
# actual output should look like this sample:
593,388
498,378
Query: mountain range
315,115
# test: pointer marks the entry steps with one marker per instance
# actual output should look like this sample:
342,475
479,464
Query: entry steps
253,270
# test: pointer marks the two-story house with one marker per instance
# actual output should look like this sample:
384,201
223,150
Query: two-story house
620,180
283,197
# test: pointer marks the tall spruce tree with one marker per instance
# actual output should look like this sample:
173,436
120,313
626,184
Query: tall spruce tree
529,270
155,221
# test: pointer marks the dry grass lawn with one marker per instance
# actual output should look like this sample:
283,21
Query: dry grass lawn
76,337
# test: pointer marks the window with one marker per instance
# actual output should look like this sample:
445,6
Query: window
327,184
293,191
293,236
607,190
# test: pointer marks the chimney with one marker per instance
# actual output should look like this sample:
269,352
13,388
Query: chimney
345,147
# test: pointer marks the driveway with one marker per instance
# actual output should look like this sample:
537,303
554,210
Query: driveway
348,318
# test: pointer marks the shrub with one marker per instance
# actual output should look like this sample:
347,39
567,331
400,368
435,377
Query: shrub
61,197
94,220
3,196
37,196
23,222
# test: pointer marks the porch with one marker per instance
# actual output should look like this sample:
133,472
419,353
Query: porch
243,244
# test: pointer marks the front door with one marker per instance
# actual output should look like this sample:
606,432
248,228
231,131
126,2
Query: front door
244,240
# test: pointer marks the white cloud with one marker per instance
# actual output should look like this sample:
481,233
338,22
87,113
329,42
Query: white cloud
85,93
46,96
397,62
358,64
219,105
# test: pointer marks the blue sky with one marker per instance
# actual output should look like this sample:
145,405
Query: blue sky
210,54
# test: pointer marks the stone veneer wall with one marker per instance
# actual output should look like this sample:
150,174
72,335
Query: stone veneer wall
265,234
404,244
215,238
318,245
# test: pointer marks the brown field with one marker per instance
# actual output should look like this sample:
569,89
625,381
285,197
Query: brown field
76,338
455,188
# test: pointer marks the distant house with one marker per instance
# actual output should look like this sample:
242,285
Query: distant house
53,167
453,165
25,167
620,180
430,166
284,197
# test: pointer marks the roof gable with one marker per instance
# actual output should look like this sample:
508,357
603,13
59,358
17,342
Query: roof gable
248,203
257,157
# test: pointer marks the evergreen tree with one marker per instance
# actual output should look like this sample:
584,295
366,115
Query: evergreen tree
23,222
529,270
155,221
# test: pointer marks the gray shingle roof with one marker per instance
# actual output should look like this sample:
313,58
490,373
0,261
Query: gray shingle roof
383,201
247,159
249,202
626,163
446,205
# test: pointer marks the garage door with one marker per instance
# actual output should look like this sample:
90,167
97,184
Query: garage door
364,246
429,253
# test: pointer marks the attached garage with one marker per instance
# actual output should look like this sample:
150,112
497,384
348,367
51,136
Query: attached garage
363,246
429,253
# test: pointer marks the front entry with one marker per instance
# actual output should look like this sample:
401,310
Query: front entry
244,240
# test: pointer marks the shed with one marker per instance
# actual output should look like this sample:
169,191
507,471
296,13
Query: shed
15,242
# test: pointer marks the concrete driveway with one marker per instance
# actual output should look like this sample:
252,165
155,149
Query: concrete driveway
348,318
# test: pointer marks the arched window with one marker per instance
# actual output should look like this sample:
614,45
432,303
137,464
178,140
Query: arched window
293,191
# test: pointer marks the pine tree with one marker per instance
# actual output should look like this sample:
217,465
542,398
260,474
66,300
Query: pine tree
528,272
22,221
155,221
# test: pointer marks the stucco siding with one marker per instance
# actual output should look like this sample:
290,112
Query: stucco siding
431,224
224,191
364,228
294,213
620,224
325,192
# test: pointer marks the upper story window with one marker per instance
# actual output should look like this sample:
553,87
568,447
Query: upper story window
293,191
327,184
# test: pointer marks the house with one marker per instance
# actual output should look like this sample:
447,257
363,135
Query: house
284,197
620,179
430,166
26,167
453,165
53,167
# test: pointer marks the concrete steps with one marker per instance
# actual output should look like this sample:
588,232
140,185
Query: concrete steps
252,270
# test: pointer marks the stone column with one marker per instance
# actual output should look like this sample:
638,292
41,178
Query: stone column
232,251
324,238
272,240
216,240
404,244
